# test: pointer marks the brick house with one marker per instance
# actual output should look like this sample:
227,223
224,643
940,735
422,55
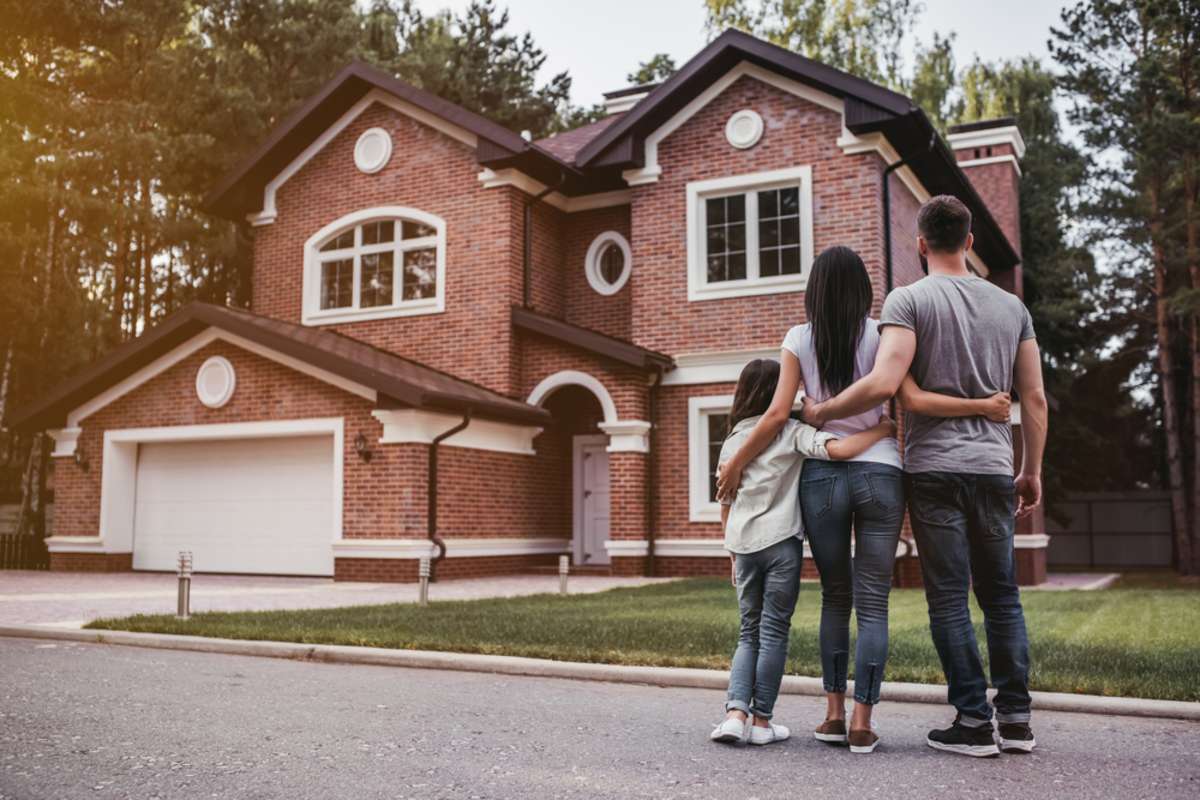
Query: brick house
467,345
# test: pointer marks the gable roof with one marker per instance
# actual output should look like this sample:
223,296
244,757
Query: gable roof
399,382
594,342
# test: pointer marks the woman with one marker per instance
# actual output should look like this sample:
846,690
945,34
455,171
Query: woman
824,356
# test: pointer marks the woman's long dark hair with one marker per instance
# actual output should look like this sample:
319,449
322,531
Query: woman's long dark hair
755,388
836,301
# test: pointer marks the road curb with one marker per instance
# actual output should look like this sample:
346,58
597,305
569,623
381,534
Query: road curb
675,677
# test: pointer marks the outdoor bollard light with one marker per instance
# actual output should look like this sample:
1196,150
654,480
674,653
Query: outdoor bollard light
423,574
184,611
564,566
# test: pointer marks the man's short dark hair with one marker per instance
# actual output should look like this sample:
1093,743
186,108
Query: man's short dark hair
944,222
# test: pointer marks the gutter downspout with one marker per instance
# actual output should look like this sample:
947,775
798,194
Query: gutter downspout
887,225
432,492
527,260
652,402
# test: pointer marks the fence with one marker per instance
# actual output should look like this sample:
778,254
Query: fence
22,552
1112,529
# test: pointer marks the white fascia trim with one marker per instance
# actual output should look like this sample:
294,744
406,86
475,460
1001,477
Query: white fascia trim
571,377
697,286
311,313
627,548
700,508
65,441
627,436
718,367
651,171
200,340
75,544
118,477
268,213
979,162
455,548
623,103
1031,541
1009,135
492,179
412,426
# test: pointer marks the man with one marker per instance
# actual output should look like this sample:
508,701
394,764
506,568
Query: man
961,335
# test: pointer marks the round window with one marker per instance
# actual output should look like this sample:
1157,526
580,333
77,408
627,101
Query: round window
608,263
215,381
372,150
744,129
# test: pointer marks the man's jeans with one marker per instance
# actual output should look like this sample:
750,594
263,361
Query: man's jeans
834,496
964,527
768,583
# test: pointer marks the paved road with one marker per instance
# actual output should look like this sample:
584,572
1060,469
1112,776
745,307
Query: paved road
70,599
95,721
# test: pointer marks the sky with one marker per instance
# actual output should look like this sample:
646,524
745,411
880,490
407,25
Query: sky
600,41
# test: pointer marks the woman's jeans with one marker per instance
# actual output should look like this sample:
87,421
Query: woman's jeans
768,583
834,496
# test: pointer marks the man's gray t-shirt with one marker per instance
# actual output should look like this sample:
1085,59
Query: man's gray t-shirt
968,331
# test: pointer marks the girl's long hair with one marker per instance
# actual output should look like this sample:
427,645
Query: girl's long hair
836,301
755,388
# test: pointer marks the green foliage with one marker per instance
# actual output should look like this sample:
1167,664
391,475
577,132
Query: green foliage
660,67
1133,642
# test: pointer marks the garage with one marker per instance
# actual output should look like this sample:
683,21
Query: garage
260,505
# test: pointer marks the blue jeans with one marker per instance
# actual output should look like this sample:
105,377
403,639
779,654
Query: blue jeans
964,527
835,495
768,583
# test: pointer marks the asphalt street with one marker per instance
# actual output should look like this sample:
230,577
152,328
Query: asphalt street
97,721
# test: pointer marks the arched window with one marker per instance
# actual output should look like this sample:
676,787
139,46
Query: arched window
375,263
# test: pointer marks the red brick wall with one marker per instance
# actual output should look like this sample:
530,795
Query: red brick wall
431,172
999,186
846,210
608,314
671,460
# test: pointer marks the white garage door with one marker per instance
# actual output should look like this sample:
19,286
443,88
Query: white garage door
246,505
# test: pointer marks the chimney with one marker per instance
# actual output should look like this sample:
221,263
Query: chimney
989,153
622,100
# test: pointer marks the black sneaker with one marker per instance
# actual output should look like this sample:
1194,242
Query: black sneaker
1016,737
958,738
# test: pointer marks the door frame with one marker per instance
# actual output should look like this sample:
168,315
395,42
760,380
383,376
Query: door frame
578,442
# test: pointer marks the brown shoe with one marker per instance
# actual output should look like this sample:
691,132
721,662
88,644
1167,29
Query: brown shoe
863,741
831,730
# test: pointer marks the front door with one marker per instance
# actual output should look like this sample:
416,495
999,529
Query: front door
591,497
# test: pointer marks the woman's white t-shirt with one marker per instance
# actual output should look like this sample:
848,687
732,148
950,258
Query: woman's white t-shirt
799,342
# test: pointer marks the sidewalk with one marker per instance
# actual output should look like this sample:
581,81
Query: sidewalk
70,599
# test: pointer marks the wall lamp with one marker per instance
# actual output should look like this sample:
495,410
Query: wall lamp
364,451
81,460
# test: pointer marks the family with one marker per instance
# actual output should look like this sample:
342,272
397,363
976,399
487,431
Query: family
950,347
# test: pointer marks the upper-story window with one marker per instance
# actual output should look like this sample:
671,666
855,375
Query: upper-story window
749,234
375,263
608,263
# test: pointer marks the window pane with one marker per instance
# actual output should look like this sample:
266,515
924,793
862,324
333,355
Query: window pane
715,210
789,201
716,268
768,262
768,204
337,283
612,263
420,273
768,233
378,232
377,271
735,208
790,258
725,237
737,237
789,230
343,241
416,230
716,239
716,437
737,267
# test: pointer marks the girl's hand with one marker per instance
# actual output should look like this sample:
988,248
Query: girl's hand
729,478
733,570
889,426
997,408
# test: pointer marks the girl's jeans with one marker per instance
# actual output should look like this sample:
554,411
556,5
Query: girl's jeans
768,583
834,497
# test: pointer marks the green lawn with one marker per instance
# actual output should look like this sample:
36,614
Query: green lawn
1133,642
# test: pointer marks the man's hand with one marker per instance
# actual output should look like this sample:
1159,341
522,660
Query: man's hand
888,425
810,412
998,407
733,570
1029,494
729,478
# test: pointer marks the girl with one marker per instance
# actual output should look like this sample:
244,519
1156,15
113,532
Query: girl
864,495
763,535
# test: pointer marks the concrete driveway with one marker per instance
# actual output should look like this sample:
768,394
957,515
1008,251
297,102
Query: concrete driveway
70,599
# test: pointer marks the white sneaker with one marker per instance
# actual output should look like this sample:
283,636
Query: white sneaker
773,733
731,730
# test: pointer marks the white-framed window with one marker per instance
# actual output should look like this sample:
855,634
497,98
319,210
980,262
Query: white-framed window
608,263
749,234
708,418
375,263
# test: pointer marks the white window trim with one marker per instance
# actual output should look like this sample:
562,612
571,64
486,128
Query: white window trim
699,191
313,314
592,263
700,508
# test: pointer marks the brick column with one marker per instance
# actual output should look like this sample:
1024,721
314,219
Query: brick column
627,518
